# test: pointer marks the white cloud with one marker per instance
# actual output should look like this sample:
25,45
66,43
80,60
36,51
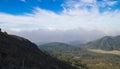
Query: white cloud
48,35
72,17
89,1
111,3
107,3
68,20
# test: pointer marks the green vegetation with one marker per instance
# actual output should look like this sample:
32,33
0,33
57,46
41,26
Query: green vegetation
64,52
105,43
19,53
83,58
57,47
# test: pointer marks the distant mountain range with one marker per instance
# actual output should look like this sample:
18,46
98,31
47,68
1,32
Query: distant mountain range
88,53
105,43
19,53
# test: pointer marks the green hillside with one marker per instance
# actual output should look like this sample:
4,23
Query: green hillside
19,53
57,47
81,57
105,43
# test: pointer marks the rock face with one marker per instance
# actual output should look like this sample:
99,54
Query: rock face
19,53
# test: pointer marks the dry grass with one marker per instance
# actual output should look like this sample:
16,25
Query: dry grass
105,52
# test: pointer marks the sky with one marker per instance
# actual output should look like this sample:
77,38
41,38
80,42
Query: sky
60,20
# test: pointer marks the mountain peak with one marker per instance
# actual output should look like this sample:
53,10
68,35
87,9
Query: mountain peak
106,43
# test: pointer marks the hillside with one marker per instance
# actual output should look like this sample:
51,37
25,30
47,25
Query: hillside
19,53
81,57
64,52
57,47
105,43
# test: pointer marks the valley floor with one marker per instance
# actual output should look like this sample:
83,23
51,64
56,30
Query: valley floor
105,52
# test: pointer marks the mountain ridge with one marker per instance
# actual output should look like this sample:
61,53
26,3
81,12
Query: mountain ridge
58,47
105,43
19,53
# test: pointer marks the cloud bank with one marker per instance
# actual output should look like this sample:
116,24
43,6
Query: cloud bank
82,15
47,35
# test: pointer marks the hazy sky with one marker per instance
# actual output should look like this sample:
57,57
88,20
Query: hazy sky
60,20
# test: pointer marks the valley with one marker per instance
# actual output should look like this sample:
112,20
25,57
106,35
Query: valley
58,55
105,52
59,34
89,55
